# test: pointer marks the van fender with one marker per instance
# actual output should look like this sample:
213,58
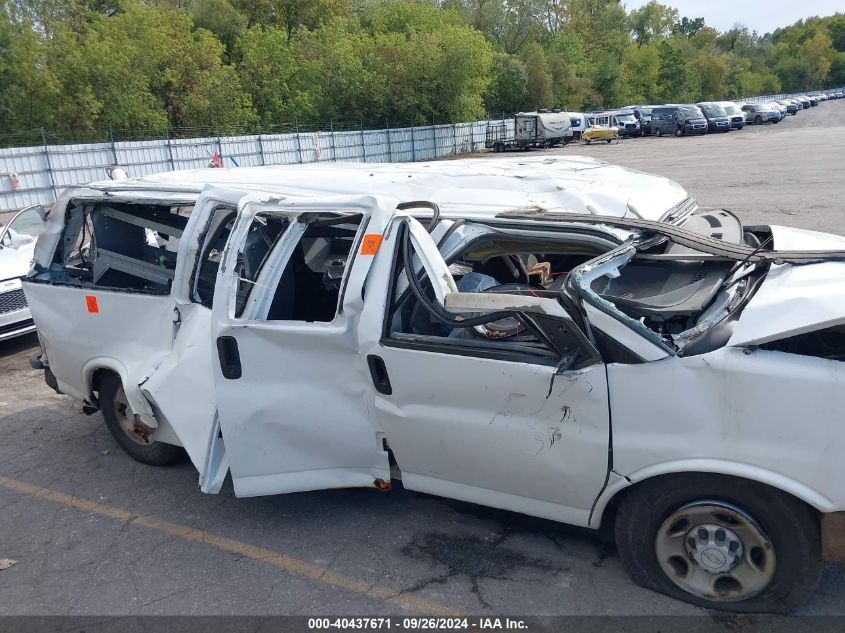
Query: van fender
136,400
618,482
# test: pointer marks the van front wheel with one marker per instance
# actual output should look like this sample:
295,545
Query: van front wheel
720,542
128,432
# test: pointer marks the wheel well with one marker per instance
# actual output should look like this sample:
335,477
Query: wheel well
97,378
608,517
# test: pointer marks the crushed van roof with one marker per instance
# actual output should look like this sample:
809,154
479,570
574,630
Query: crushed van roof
470,188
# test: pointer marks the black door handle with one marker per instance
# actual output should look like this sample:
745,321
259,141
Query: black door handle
230,357
378,371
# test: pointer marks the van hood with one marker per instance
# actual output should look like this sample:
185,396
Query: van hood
795,299
14,262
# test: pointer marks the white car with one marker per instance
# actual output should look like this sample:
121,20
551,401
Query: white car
17,243
553,336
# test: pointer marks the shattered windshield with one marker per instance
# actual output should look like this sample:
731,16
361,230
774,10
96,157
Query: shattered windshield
681,302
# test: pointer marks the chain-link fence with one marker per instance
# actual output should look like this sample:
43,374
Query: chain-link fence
37,172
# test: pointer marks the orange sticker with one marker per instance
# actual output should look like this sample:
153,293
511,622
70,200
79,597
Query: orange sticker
91,302
370,244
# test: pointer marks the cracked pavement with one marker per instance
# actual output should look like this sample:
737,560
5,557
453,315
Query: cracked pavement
73,561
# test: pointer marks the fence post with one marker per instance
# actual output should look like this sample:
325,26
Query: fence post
113,148
49,164
363,142
334,151
389,145
298,143
219,147
454,138
170,149
433,138
413,144
261,146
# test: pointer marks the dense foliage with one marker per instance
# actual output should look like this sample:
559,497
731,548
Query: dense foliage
225,64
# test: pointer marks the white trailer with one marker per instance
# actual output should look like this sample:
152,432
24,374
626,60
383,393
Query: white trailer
531,129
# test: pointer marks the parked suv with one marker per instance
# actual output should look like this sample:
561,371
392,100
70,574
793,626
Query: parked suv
717,119
791,106
678,120
733,111
760,113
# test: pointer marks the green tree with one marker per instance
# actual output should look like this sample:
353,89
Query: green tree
652,22
688,26
711,71
818,53
539,77
270,68
641,66
508,89
673,76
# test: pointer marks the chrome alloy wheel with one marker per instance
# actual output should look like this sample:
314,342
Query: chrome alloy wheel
715,551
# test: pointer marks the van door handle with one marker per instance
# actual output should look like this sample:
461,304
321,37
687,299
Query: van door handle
378,372
230,357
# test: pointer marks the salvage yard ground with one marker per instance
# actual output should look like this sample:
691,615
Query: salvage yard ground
93,532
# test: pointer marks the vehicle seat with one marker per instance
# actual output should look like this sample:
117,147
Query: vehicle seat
652,289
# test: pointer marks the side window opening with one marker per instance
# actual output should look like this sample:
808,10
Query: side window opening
264,232
310,285
205,275
118,245
499,265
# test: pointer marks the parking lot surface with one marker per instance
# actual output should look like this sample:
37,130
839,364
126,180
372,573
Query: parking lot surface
93,532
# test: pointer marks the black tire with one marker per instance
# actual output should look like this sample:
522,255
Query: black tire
791,527
679,132
658,133
758,120
152,454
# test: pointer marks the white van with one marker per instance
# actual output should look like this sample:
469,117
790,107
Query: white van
556,336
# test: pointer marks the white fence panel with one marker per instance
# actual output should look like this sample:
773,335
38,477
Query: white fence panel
37,174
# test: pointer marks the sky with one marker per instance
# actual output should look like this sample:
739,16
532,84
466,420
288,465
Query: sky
762,17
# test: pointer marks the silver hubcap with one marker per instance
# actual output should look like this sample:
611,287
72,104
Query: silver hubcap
715,551
127,420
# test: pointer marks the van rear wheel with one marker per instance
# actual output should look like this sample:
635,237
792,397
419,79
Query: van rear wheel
128,431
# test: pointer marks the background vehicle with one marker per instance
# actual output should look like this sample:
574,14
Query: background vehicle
603,127
717,119
678,120
531,129
736,115
760,113
627,123
17,244
791,106
579,123
643,114
781,109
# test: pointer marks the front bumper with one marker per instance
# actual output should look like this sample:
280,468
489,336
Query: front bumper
833,537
